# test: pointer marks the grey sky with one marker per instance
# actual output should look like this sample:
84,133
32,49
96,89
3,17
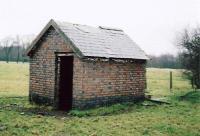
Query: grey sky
152,24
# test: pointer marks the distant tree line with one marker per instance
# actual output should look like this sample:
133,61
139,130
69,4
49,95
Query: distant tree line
13,48
164,61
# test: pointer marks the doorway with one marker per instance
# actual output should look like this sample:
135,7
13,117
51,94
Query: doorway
65,83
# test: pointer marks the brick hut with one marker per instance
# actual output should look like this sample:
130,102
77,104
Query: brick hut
79,66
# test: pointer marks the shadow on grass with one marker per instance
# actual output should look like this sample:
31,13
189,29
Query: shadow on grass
193,97
21,105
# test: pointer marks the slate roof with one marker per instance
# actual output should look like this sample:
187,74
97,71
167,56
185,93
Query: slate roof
97,42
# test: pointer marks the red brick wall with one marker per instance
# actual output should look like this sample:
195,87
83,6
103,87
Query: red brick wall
105,82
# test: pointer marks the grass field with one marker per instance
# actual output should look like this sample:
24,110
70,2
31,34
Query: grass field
158,82
14,79
180,118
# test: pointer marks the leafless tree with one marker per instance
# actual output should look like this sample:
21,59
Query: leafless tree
18,47
189,44
25,45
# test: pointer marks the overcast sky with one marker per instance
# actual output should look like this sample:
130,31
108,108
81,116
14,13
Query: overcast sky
152,24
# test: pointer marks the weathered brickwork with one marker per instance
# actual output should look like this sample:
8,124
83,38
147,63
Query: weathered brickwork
95,82
104,83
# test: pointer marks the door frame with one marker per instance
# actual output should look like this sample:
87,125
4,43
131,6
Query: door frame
58,55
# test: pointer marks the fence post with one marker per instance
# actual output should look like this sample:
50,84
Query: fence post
170,80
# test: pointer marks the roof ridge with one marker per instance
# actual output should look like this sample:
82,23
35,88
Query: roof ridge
101,27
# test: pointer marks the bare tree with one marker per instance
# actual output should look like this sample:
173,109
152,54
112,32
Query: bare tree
18,47
26,42
189,43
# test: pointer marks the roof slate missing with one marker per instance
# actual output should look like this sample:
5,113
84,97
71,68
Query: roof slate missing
102,42
109,28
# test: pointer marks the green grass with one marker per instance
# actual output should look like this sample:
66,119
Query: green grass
14,79
180,118
193,97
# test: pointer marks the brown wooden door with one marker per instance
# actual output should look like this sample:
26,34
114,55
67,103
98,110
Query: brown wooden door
65,87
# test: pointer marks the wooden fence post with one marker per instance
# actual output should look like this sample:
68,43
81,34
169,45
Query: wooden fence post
170,80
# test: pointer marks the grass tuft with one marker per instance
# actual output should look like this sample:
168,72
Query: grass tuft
102,111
